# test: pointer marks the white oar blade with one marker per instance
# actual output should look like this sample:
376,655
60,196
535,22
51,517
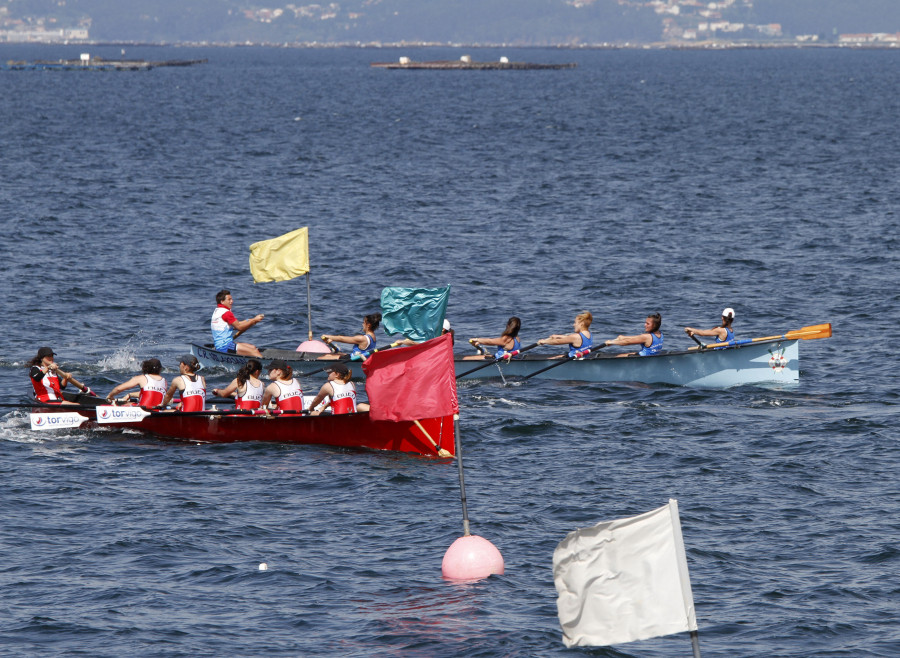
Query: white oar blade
56,420
111,414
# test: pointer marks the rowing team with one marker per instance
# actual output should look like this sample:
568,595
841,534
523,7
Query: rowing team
581,341
284,393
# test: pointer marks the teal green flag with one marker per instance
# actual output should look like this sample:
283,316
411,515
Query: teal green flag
417,313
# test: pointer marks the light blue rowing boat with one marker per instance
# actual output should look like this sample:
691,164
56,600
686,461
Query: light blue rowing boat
767,360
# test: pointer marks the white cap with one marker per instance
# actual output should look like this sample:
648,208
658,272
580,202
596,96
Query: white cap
728,313
446,324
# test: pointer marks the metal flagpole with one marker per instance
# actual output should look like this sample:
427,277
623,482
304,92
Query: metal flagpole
462,482
308,307
695,643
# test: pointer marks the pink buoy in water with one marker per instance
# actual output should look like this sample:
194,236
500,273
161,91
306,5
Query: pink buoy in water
471,557
313,346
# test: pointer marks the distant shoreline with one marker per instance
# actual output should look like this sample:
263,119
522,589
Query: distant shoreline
704,45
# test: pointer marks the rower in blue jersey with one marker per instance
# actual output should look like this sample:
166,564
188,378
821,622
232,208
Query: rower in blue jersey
578,341
651,341
363,344
723,333
506,343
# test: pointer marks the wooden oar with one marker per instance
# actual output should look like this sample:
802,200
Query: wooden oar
506,355
811,332
577,355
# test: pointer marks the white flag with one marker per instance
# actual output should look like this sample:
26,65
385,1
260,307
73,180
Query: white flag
624,580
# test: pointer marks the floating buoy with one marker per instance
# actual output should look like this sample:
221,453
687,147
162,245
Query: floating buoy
470,558
263,566
313,346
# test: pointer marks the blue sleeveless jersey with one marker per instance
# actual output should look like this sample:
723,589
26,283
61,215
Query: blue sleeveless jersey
499,354
655,345
585,344
356,351
729,335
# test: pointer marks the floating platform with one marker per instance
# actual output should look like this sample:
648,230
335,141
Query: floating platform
465,63
88,63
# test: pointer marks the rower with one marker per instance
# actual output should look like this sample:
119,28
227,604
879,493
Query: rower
285,390
722,333
363,344
246,387
339,393
226,327
578,341
507,342
48,379
651,341
191,385
151,383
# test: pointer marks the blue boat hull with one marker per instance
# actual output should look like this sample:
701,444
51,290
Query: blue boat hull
766,362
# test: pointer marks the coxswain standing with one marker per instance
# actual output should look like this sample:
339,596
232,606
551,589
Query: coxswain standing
48,379
226,327
284,389
191,385
151,383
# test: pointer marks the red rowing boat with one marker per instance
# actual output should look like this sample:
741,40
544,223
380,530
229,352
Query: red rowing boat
428,436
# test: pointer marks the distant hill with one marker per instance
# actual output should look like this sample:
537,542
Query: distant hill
515,22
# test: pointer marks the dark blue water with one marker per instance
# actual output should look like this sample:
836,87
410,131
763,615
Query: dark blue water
641,181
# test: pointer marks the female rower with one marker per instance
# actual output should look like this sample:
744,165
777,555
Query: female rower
247,387
151,383
340,392
191,385
284,389
507,342
363,344
651,341
580,340
722,333
48,379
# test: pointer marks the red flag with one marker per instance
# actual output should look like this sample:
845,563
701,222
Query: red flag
410,383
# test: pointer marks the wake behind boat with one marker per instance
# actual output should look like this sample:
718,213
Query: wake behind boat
768,360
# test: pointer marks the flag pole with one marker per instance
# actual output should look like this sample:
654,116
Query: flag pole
695,643
462,481
308,307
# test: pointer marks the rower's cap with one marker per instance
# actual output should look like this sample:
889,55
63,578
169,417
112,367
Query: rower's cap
446,324
45,351
280,364
339,368
728,313
189,360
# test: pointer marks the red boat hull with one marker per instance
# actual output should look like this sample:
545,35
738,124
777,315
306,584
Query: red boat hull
343,430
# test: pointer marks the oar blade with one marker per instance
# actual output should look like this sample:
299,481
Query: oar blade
113,414
56,420
812,332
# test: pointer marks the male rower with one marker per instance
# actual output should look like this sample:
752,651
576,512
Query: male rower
225,327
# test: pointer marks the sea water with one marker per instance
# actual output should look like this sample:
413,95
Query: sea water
641,181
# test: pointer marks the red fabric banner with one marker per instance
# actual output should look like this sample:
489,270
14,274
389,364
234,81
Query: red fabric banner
410,383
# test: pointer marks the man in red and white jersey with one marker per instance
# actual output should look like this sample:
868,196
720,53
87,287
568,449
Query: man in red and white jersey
226,327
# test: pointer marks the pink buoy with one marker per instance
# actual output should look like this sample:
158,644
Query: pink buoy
471,558
313,346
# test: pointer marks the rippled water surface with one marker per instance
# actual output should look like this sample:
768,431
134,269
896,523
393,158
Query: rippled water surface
678,182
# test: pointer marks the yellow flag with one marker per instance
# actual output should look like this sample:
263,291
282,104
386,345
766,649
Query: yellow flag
281,258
